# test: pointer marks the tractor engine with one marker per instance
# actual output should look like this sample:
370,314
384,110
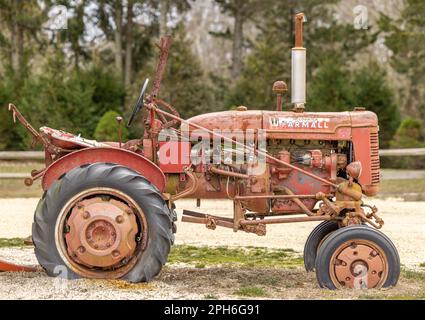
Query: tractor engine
319,143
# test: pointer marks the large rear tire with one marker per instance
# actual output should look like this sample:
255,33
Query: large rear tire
357,257
142,230
314,240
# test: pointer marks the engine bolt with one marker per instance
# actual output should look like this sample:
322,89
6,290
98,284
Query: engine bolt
119,219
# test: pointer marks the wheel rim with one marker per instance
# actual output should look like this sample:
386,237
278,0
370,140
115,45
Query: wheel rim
100,233
358,264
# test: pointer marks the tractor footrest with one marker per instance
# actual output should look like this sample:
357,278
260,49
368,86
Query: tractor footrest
210,221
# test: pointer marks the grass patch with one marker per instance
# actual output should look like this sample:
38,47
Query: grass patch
15,188
210,297
250,292
20,167
422,265
234,257
11,242
414,275
401,186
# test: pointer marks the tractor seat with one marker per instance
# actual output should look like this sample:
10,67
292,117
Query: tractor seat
70,141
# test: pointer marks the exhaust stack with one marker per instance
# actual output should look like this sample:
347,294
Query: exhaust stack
298,85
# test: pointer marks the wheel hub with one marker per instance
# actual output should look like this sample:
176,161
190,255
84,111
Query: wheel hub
101,232
359,265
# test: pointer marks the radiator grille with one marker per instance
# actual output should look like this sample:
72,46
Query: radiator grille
374,157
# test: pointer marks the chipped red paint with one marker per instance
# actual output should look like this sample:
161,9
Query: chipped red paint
113,155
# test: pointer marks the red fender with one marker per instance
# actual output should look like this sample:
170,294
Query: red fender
123,157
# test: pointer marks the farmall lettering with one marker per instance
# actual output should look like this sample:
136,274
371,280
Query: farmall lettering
299,123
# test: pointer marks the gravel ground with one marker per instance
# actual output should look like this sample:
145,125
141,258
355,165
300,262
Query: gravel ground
404,224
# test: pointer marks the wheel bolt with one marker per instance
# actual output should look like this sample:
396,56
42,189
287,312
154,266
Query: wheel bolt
347,279
82,249
115,253
86,215
119,219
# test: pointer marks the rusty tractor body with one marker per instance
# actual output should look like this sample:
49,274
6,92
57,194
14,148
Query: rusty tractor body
110,205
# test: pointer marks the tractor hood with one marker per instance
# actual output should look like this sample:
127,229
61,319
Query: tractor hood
288,124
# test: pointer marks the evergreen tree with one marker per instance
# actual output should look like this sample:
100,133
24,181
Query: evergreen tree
184,84
270,57
107,128
408,135
372,92
406,38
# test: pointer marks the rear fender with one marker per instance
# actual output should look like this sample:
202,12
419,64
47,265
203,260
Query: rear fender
123,157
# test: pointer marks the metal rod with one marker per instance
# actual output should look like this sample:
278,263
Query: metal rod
228,173
265,154
284,220
277,196
299,202
299,19
218,222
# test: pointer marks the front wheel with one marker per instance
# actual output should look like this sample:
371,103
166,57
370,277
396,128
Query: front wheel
357,257
314,241
102,221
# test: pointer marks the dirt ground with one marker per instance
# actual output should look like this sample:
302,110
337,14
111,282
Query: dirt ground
404,224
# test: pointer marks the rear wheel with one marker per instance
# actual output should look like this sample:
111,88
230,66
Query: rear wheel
314,240
357,257
102,221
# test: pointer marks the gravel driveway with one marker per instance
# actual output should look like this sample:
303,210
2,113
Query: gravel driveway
404,224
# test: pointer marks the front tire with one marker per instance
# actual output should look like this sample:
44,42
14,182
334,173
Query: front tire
314,240
357,257
102,220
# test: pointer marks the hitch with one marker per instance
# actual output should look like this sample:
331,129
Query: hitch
11,267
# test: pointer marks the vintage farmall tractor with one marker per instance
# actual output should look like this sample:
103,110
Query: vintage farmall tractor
108,207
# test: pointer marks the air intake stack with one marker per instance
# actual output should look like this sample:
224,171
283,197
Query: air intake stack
298,85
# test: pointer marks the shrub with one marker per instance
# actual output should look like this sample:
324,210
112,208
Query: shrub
107,128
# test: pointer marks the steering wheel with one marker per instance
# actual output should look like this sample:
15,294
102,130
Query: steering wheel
139,103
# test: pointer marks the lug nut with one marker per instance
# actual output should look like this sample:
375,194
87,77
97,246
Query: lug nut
115,253
86,215
82,249
119,219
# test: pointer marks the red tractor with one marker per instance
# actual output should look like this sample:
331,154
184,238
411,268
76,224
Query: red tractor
108,207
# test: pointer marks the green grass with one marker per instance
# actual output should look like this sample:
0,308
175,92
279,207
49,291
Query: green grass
20,167
402,186
250,292
204,256
422,265
11,242
414,275
15,188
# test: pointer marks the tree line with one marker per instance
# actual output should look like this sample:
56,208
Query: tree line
77,79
